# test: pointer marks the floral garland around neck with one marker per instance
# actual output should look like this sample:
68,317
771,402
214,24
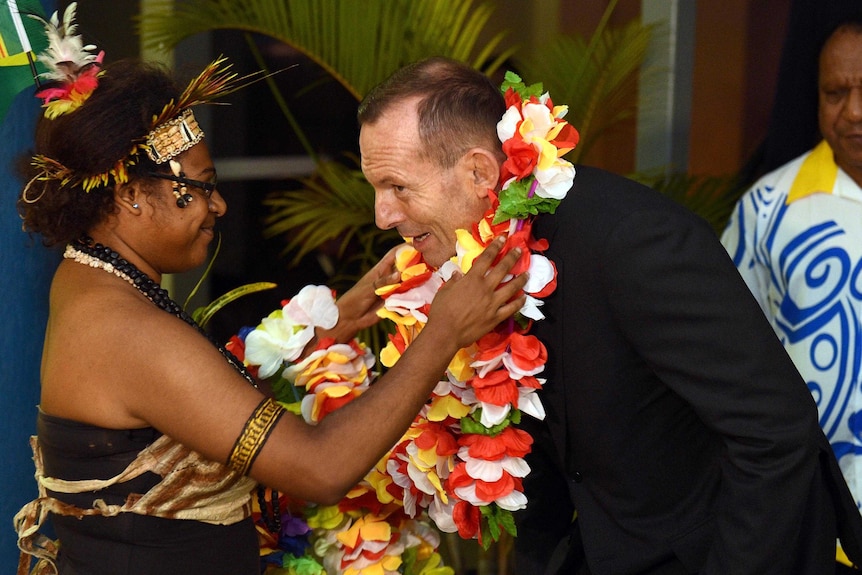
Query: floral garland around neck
461,462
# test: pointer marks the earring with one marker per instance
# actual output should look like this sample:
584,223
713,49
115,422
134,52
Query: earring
135,205
180,189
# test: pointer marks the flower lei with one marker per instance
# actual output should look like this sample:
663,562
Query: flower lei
461,462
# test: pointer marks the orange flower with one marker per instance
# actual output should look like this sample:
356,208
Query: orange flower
468,519
328,400
496,388
437,437
510,442
527,352
493,490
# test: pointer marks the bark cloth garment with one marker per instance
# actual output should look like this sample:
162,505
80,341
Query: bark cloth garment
157,507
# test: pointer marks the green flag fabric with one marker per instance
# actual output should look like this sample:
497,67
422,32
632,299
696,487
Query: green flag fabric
19,35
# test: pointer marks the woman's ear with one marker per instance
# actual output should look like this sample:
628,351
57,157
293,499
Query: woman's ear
484,170
128,197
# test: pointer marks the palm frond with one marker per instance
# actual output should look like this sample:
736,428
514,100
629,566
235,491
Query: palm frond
334,203
711,197
357,43
598,80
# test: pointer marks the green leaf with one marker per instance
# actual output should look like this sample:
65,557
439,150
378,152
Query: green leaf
514,82
204,314
599,79
516,203
472,423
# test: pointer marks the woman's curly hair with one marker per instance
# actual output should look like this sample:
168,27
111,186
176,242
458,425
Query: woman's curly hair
90,141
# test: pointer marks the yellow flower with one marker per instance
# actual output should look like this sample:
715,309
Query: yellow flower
327,517
380,481
441,407
460,364
366,528
468,249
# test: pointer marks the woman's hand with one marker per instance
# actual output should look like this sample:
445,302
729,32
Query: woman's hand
357,308
469,306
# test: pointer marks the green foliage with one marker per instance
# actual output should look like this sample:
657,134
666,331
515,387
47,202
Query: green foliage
516,202
711,197
598,79
496,520
335,203
472,423
513,81
357,43
203,315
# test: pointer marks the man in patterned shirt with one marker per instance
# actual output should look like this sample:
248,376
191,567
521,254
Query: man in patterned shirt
796,238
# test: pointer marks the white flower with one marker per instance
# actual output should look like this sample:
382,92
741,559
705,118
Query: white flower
410,302
541,273
556,181
494,414
531,307
275,341
530,403
508,123
514,501
313,306
283,335
538,121
441,514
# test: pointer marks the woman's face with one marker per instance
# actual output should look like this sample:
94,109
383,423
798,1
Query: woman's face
180,236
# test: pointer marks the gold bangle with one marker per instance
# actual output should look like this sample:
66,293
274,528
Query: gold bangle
254,434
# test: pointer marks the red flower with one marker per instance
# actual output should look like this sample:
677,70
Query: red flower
496,388
511,441
492,491
468,519
512,99
436,436
527,351
326,404
567,139
236,346
491,345
521,159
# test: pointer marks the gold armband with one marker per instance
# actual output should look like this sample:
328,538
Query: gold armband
254,434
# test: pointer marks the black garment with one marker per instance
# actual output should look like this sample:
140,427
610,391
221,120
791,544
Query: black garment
676,424
131,544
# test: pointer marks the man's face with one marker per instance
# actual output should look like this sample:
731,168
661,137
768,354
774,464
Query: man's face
840,108
424,202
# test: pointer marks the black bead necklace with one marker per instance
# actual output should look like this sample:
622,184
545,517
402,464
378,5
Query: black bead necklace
102,257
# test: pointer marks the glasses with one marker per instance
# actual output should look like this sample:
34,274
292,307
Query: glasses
207,187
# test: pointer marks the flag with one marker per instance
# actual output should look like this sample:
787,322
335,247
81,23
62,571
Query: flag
21,39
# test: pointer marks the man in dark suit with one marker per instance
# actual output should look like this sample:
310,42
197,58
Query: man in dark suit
676,425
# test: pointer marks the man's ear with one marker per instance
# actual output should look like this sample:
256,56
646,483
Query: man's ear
128,197
484,170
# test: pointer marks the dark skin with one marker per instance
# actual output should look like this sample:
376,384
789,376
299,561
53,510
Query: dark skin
840,100
115,360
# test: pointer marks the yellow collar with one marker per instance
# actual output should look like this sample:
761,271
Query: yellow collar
816,175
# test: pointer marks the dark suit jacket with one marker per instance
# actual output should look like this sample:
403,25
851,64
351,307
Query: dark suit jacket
676,424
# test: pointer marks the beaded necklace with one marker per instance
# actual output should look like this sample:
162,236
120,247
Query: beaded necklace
102,257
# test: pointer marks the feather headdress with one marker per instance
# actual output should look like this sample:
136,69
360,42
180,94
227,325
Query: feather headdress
73,66
216,80
76,69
